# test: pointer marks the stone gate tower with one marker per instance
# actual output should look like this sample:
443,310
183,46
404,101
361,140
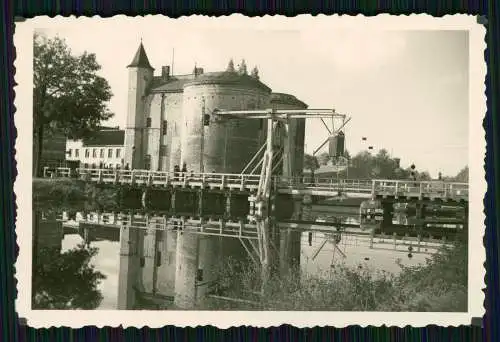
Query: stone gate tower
140,76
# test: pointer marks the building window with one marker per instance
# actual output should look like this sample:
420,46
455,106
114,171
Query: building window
101,153
94,153
86,165
87,153
148,122
164,127
110,153
69,152
77,152
147,161
199,275
117,153
117,166
142,261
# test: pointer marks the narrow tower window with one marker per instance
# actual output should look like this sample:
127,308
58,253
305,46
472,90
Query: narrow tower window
164,127
148,122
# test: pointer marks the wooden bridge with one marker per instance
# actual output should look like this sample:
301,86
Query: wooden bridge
369,189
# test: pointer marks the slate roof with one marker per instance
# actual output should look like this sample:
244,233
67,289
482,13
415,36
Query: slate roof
140,59
105,138
286,98
177,83
174,84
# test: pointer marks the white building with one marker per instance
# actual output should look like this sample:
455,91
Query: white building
103,149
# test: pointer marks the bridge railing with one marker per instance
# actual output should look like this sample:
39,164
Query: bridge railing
164,177
420,188
325,183
57,172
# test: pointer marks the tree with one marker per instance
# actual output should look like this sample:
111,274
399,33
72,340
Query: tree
255,73
463,175
68,94
311,163
424,176
230,66
242,68
66,280
324,158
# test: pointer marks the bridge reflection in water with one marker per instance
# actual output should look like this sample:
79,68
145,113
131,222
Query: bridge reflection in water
148,247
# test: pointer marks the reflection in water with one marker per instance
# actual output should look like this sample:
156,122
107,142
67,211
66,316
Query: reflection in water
62,279
79,268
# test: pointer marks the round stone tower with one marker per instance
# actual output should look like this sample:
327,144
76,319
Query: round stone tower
221,146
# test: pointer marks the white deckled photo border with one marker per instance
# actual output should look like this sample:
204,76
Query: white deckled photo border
23,40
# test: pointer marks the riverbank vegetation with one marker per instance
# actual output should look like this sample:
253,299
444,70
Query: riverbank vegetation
64,193
440,285
66,280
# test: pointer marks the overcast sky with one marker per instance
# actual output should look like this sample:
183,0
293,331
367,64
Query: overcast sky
407,91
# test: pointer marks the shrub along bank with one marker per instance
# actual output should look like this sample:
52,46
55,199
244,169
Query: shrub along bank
439,285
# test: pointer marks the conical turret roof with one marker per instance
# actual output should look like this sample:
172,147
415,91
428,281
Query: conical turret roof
140,59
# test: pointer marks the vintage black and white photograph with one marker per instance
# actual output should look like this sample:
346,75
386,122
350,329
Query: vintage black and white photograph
246,165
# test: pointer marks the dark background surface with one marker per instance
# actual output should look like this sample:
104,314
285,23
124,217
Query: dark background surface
13,328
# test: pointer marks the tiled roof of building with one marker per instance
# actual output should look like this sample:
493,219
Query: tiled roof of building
177,83
286,98
140,59
105,138
174,84
230,78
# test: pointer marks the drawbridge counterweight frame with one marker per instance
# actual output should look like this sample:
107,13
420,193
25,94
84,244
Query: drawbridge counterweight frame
274,155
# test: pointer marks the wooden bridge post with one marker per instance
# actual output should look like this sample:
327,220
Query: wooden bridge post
242,183
132,177
150,178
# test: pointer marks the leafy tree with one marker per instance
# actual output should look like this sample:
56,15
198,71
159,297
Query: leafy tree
230,66
424,176
311,163
364,165
67,280
324,158
68,94
463,175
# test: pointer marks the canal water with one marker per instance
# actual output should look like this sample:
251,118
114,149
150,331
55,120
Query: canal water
319,252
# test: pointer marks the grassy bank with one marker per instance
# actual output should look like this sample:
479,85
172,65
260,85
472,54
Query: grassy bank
438,286
72,194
